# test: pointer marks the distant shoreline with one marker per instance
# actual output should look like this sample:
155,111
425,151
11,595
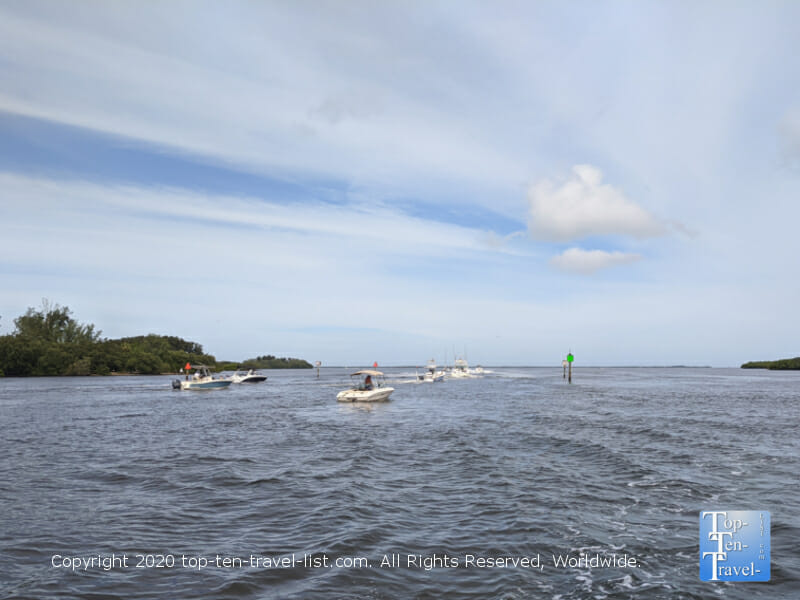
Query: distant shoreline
782,364
414,367
544,367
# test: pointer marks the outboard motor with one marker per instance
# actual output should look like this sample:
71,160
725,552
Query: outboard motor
176,384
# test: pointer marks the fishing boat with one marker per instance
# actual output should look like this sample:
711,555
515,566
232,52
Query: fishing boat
372,388
201,379
460,369
250,377
431,375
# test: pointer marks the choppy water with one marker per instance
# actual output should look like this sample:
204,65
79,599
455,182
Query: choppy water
515,464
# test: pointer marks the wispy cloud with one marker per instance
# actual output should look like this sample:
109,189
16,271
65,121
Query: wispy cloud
494,240
257,269
362,155
358,224
587,262
273,102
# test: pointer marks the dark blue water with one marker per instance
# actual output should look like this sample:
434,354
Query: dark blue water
516,464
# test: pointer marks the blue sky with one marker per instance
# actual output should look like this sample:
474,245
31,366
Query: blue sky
355,182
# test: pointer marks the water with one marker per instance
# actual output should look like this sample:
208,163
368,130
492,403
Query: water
515,464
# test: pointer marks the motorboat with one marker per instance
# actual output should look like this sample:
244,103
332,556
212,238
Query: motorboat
250,377
431,375
201,379
368,386
460,369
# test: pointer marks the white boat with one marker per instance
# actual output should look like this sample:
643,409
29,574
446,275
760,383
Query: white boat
250,377
372,388
460,369
431,374
201,380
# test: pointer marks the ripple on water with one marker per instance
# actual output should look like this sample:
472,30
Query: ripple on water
516,463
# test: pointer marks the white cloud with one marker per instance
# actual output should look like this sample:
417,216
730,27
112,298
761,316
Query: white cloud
584,206
586,262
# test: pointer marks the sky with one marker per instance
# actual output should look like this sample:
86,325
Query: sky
358,182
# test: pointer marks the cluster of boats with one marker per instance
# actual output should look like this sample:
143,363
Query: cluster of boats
368,385
373,388
459,370
203,379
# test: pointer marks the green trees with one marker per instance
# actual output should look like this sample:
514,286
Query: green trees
53,323
266,362
18,356
48,341
784,364
152,354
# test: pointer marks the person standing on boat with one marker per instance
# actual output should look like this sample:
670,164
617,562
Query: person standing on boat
368,382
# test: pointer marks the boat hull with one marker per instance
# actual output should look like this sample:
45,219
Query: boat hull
460,375
433,377
249,379
215,384
376,395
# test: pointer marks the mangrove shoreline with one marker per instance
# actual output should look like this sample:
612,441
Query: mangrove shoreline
49,342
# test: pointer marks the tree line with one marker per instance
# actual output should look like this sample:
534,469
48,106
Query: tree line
49,341
784,364
265,362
